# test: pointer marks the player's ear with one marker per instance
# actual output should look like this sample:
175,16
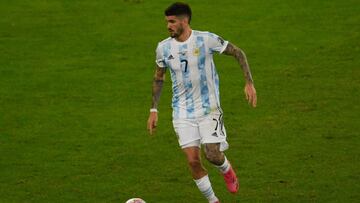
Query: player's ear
187,19
184,19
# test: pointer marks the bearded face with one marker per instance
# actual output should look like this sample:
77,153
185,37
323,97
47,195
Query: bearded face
175,25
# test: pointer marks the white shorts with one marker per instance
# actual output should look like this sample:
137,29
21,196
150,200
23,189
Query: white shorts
207,129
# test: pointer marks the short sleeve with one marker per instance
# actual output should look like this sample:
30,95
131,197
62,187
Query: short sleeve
216,43
160,60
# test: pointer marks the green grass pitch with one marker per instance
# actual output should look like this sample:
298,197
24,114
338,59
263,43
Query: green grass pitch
75,91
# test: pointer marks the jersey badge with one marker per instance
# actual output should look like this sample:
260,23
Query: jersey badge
196,51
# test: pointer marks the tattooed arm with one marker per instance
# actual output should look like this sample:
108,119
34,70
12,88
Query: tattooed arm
240,56
158,81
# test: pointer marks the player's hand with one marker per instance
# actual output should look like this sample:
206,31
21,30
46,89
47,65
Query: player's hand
250,94
152,122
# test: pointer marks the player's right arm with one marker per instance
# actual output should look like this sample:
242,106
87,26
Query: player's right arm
158,81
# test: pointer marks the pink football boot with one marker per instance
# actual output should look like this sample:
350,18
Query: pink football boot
231,180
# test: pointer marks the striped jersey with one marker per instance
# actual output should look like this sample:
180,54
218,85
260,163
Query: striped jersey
195,82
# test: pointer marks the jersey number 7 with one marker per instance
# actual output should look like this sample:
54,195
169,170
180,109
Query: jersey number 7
184,63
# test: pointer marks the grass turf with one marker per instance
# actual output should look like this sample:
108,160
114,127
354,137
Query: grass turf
75,82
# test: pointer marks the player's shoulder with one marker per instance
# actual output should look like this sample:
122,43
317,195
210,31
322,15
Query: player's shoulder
165,41
203,33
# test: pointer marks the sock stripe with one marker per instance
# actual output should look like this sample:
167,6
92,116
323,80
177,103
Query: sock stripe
205,188
225,166
208,192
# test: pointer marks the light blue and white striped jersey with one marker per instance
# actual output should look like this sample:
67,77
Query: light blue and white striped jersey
195,82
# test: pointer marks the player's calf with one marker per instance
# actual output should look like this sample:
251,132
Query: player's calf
216,157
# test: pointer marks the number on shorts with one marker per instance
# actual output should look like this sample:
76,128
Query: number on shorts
219,122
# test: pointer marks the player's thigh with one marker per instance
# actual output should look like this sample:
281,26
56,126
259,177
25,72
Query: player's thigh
187,132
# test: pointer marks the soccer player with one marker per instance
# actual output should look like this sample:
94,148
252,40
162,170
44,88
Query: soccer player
197,116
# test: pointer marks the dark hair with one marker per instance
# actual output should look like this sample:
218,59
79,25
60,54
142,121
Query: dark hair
177,9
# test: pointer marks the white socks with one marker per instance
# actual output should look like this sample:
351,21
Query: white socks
204,184
225,167
205,188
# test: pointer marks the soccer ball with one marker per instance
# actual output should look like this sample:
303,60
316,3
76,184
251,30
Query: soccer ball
135,200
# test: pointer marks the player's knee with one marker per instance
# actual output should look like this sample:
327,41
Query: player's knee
194,163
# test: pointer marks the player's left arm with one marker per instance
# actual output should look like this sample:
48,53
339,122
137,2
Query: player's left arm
240,56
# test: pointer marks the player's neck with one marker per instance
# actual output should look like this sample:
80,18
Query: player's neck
185,35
